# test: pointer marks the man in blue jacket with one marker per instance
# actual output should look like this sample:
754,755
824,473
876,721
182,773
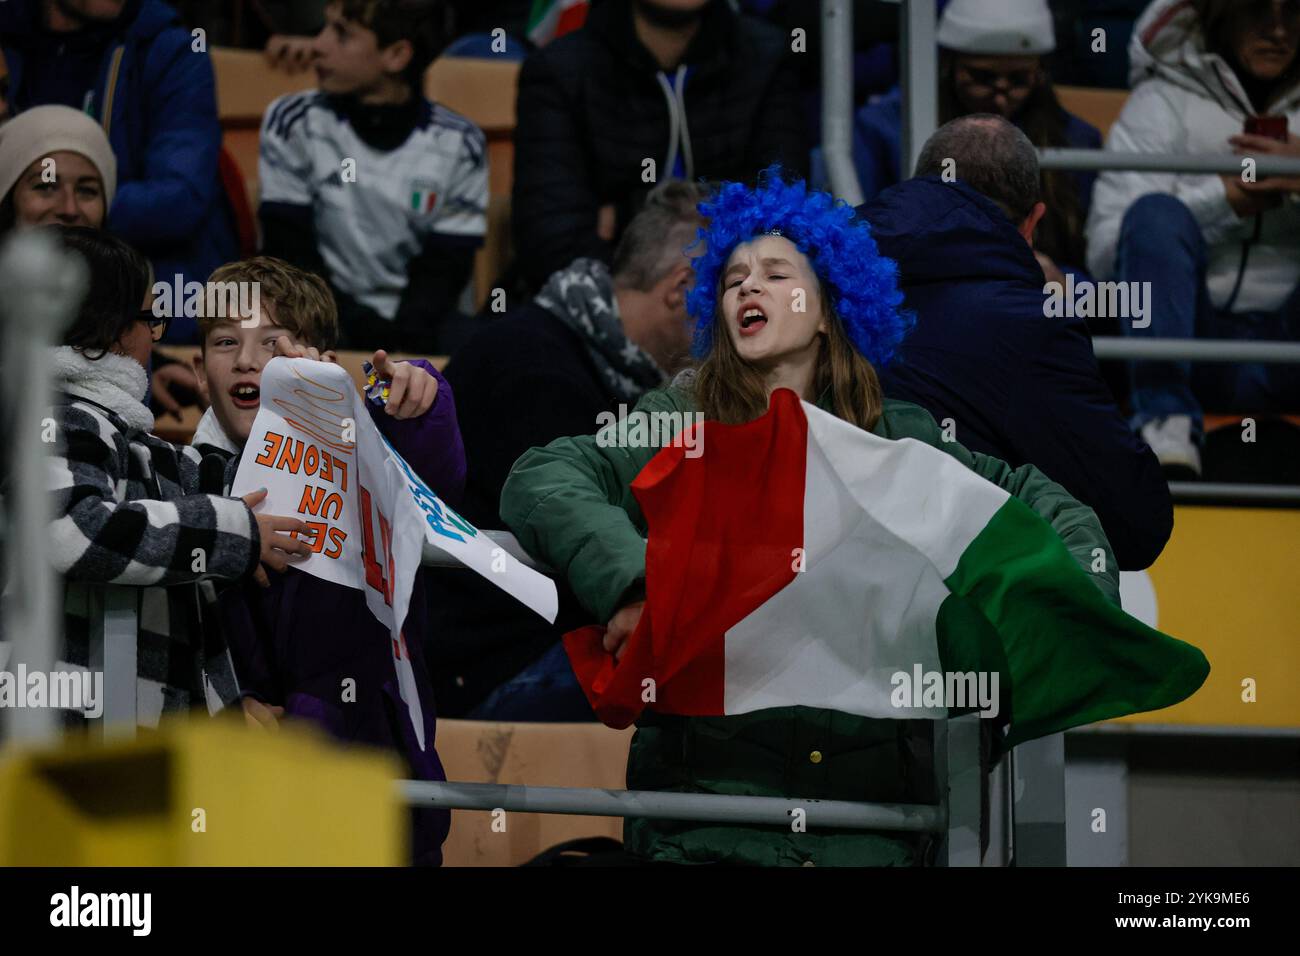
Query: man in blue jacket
134,67
1015,383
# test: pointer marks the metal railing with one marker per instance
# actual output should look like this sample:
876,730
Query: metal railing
1026,794
917,48
668,805
837,98
1030,776
955,819
1217,492
1100,160
41,287
1109,347
918,51
1026,801
919,68
1196,350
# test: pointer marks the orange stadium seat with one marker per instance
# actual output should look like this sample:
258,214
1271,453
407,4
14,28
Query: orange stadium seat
539,755
246,85
1097,106
1214,422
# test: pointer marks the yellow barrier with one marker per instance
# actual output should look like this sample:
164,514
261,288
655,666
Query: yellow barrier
202,793
1227,582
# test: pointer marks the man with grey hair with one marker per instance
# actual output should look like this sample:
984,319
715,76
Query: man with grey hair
1003,373
595,338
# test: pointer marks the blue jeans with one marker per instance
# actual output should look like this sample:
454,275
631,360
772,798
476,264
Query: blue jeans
1161,243
544,691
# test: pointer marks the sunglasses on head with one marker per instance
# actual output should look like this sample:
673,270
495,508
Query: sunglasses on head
157,324
1014,79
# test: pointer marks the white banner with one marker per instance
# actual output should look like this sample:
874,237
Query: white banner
321,459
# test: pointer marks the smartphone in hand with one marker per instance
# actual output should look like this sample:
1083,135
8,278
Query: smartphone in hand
1274,127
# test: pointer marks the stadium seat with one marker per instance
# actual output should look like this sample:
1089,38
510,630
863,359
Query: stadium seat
1214,422
484,90
246,85
481,46
539,755
1100,107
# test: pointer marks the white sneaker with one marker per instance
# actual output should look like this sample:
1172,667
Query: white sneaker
1171,439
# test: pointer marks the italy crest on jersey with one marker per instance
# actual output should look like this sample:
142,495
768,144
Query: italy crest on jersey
423,198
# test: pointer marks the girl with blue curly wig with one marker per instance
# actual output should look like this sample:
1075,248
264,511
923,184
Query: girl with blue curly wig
790,291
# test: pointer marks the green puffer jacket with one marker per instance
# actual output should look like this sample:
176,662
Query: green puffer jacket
571,505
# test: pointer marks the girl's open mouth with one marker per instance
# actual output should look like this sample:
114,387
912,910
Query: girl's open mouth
752,321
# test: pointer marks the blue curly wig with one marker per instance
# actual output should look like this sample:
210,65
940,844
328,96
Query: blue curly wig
862,284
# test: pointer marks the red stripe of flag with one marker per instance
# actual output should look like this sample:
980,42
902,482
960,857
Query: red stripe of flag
571,18
723,527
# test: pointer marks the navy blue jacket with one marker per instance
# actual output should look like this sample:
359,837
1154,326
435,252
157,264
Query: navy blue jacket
1018,385
160,96
591,110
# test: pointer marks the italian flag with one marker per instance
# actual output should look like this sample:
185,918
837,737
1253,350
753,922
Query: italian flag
423,200
554,18
799,560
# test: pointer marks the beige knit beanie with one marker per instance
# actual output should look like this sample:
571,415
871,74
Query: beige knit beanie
43,130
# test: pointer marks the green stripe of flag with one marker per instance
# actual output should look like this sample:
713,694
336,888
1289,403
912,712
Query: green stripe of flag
1068,656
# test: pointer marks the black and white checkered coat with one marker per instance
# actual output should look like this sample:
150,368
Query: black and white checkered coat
131,511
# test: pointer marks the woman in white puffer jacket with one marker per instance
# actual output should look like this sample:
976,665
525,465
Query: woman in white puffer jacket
1222,254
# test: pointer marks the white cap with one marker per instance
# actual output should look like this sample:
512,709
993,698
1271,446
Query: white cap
997,27
42,130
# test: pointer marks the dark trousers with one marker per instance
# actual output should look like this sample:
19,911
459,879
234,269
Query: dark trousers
1160,242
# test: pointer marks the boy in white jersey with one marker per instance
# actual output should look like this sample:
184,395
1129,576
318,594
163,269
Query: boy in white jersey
372,186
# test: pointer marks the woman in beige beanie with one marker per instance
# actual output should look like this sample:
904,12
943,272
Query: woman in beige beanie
56,166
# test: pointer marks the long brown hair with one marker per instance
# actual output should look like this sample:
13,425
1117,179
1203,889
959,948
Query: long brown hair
1042,119
1220,22
732,391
